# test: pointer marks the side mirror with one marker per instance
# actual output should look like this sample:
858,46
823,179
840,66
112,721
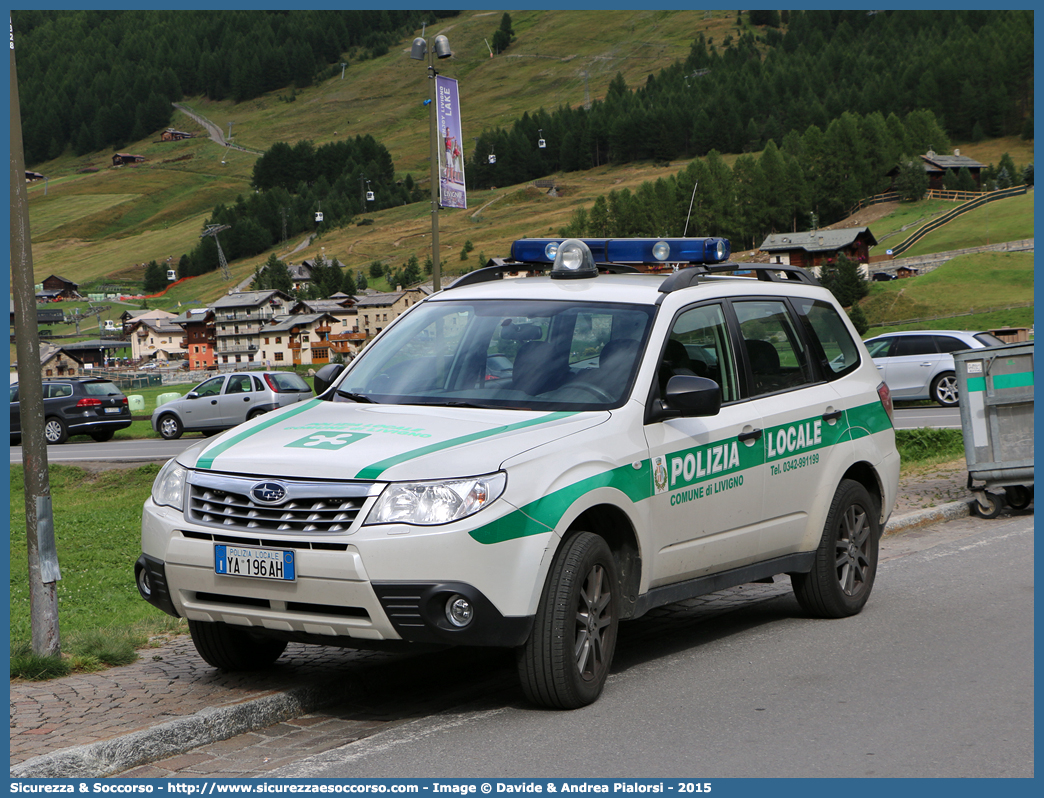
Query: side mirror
326,376
192,395
686,396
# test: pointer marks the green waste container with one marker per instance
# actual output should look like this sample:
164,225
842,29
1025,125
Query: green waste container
136,403
996,390
163,398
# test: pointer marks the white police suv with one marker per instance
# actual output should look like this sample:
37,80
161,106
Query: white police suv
553,444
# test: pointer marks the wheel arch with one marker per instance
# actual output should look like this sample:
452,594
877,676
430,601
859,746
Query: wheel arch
614,526
867,476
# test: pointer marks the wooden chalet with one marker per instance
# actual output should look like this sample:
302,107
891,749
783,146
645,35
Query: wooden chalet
818,247
55,287
936,166
125,158
170,134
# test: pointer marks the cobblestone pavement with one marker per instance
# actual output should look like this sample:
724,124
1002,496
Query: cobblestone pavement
167,682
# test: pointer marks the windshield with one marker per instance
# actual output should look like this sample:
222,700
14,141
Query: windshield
519,354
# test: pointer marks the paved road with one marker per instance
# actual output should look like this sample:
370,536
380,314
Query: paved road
934,416
935,678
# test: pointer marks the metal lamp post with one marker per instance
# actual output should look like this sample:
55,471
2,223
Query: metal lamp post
440,49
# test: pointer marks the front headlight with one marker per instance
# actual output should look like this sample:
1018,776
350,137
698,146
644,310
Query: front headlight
169,487
429,503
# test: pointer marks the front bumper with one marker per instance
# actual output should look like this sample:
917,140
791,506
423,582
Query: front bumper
354,590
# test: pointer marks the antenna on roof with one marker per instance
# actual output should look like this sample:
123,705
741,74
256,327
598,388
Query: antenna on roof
686,230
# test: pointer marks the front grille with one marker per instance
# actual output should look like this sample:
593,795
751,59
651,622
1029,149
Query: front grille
306,508
291,606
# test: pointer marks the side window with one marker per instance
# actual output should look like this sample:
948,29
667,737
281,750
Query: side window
14,393
699,344
824,324
258,386
777,358
947,343
908,345
211,387
238,384
881,347
58,390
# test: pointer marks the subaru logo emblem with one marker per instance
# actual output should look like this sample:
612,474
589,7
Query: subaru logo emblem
268,492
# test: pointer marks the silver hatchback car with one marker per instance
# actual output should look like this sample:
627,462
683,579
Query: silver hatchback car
226,400
918,364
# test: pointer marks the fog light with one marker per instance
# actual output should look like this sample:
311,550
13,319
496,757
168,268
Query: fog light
459,611
144,584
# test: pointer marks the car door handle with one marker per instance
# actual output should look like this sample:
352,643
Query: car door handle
213,401
753,435
833,415
246,398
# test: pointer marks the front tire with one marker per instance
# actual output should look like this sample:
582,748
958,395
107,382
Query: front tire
845,566
566,660
56,430
944,389
231,649
170,427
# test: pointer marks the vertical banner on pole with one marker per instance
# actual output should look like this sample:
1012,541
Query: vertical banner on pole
450,149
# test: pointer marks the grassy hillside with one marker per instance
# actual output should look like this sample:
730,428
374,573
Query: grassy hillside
100,226
998,285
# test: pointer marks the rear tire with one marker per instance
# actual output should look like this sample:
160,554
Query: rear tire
845,566
233,649
102,437
170,427
944,389
56,430
566,660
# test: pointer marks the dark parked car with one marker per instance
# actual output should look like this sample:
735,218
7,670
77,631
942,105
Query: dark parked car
221,402
72,406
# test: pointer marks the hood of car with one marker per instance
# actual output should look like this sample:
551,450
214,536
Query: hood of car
326,440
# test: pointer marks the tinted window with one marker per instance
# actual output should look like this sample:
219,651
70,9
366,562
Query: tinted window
947,343
879,347
824,324
14,393
906,345
57,390
100,389
988,338
777,358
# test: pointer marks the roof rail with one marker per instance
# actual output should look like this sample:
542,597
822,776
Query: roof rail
769,272
496,268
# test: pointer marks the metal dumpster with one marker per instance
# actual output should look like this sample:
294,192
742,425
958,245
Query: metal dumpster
996,390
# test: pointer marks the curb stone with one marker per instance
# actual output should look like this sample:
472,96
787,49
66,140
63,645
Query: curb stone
119,754
109,757
923,518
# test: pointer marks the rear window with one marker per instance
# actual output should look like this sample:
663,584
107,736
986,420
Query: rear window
988,338
288,382
100,389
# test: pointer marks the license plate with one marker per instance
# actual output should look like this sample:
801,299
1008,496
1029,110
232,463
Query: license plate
275,564
112,410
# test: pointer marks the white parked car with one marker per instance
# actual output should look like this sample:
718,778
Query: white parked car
656,437
918,364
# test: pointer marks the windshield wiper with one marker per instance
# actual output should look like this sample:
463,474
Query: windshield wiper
455,403
357,397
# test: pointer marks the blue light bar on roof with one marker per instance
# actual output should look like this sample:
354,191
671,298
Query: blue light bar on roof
629,250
